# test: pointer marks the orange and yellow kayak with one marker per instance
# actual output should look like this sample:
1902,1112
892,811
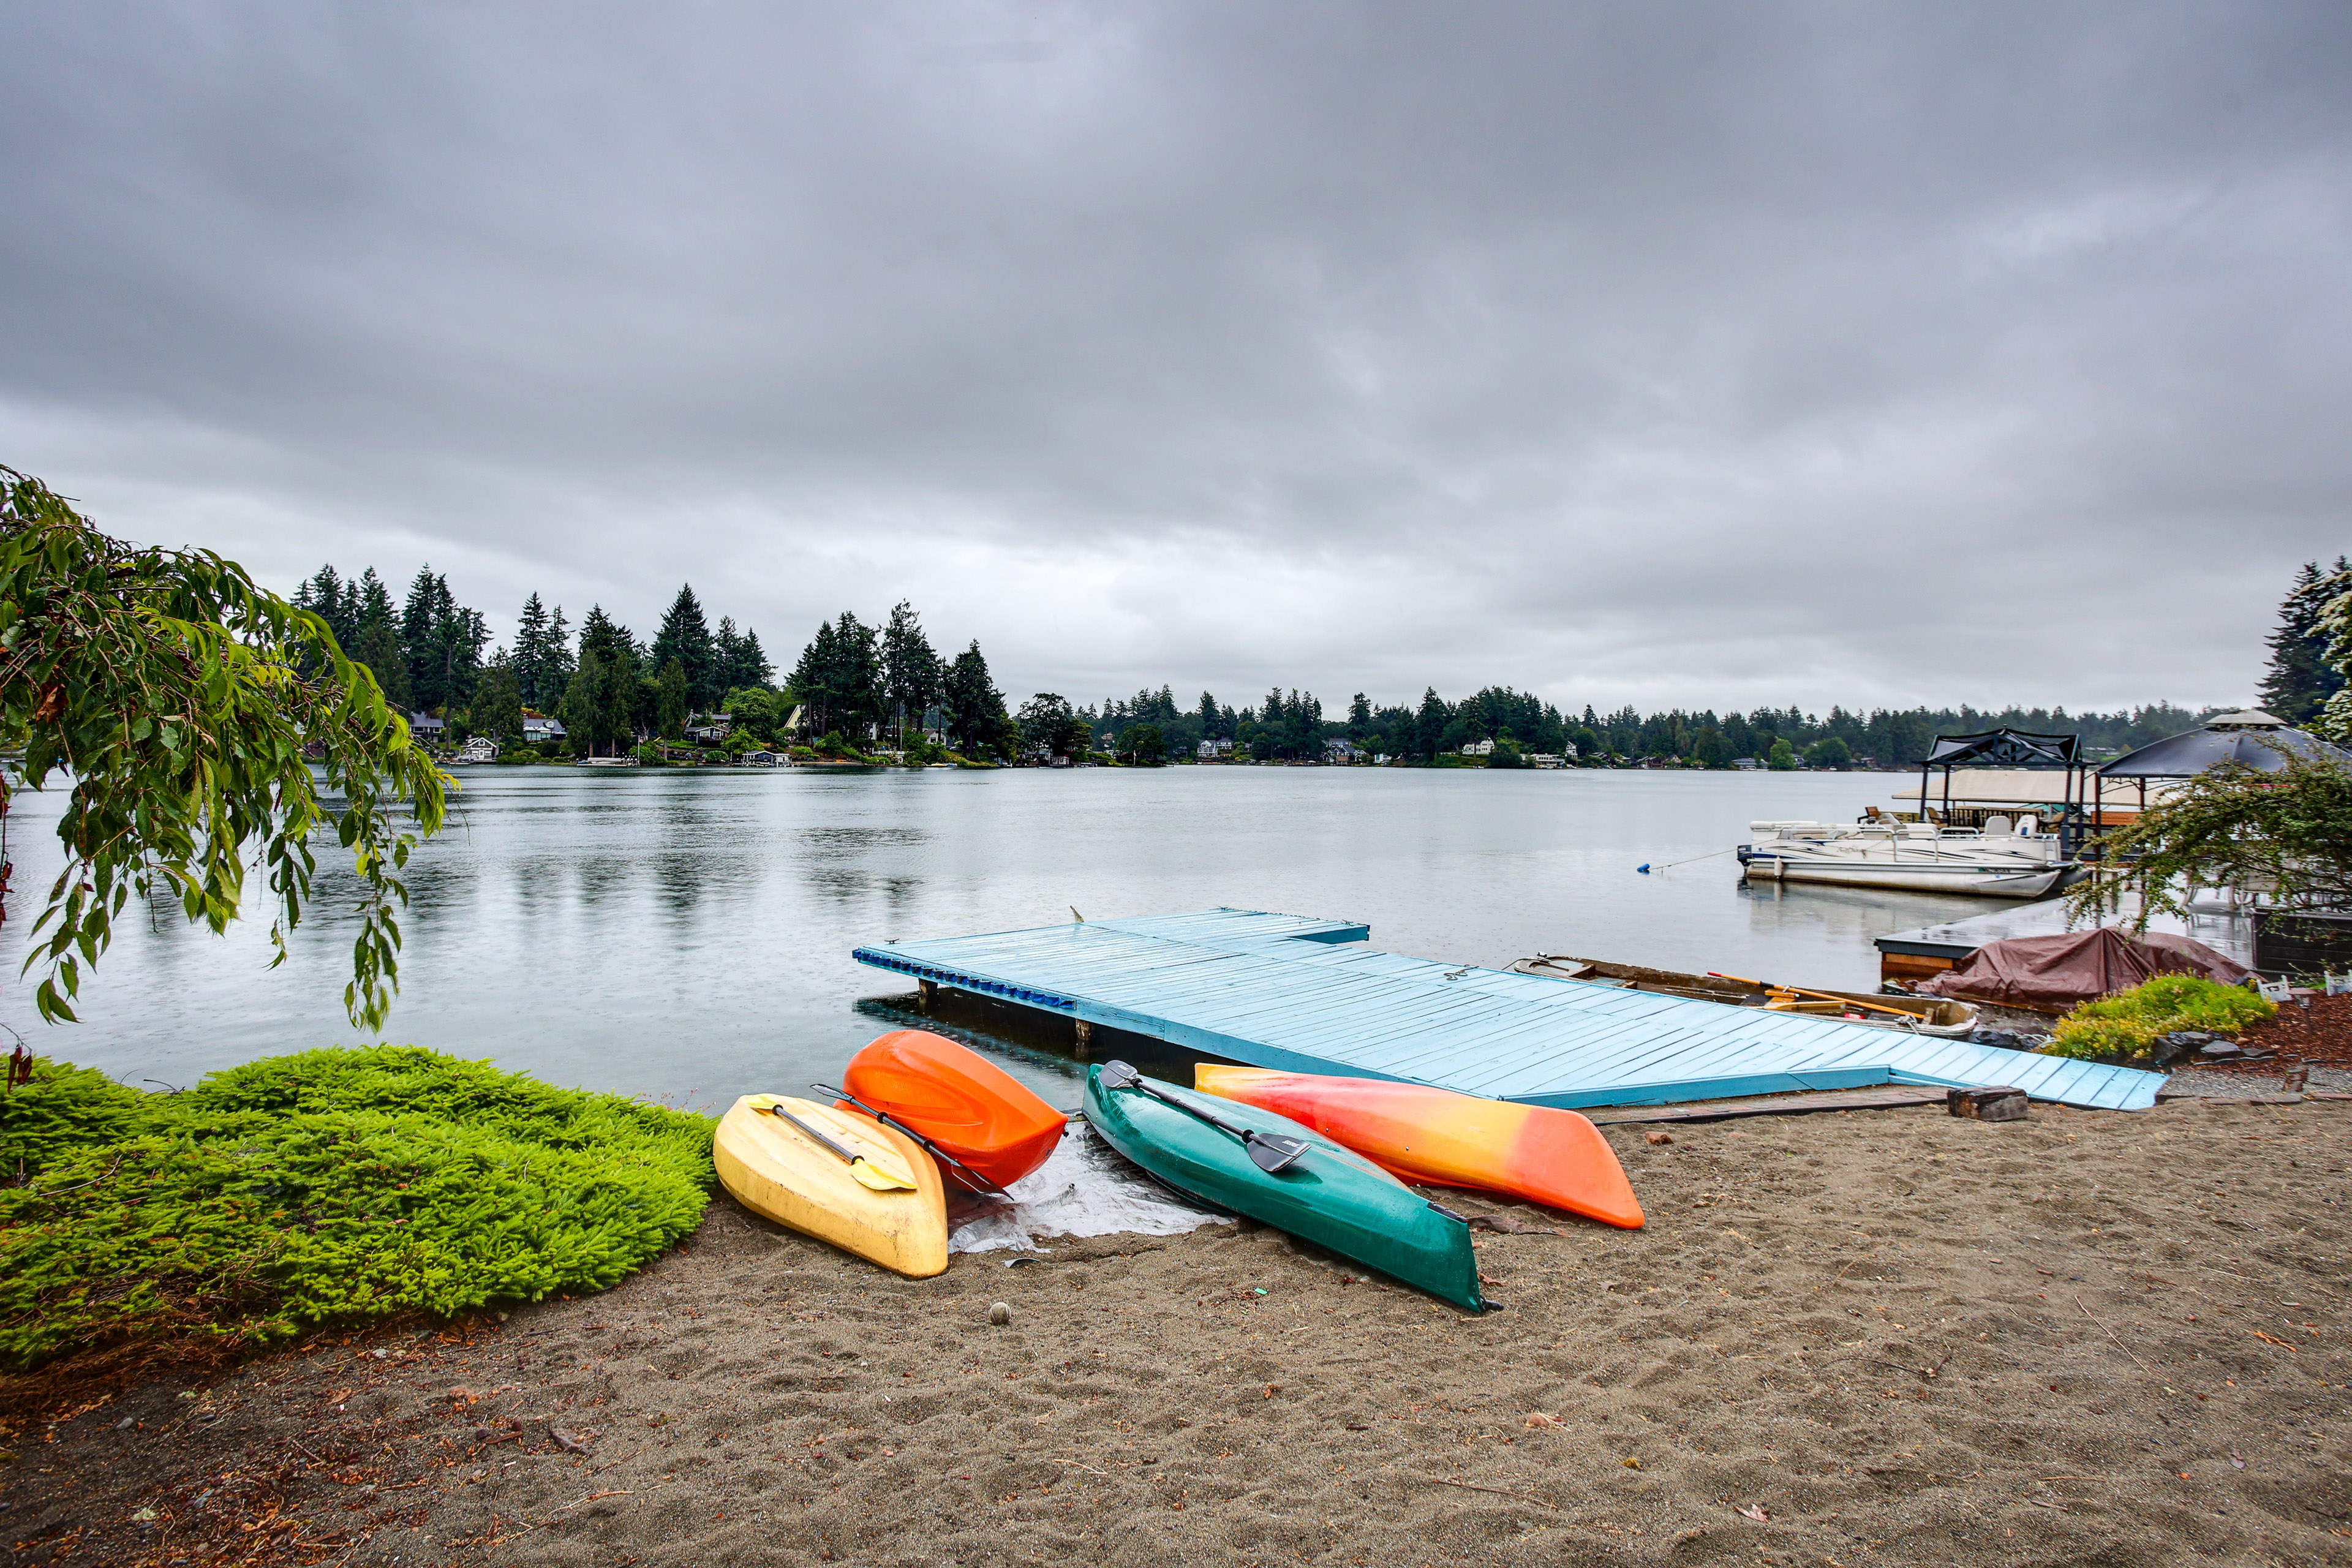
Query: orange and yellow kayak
972,1109
1443,1138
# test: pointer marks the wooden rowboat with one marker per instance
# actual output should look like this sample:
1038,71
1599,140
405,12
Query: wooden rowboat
1912,1015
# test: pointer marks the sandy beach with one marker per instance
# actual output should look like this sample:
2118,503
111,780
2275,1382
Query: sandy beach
1888,1336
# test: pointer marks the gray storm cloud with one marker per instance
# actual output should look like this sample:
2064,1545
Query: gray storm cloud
1711,356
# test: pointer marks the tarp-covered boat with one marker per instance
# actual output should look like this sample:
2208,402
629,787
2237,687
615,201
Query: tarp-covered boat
1330,1195
1444,1139
2051,973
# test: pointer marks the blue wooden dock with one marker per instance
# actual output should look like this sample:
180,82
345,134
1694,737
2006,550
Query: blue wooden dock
1309,995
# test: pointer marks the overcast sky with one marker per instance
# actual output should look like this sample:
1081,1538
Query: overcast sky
1672,354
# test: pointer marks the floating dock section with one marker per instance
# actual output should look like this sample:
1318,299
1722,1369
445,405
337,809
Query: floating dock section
1310,996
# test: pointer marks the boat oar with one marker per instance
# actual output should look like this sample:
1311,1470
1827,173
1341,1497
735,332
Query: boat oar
867,1172
1271,1151
980,1183
1824,995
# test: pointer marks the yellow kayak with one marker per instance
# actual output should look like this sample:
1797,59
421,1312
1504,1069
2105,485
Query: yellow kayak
838,1177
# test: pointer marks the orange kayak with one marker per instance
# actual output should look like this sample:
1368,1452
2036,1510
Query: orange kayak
1443,1138
973,1110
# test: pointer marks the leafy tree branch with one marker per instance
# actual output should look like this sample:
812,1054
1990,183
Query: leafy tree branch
200,719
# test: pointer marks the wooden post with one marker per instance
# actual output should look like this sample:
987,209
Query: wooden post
930,994
1085,1037
1989,1104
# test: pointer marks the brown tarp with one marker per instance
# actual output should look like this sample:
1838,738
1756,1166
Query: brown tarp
2051,973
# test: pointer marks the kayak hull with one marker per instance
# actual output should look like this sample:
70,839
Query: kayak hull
1437,1137
1330,1197
781,1173
957,1099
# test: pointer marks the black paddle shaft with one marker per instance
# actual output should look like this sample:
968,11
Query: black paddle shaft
986,1187
1270,1152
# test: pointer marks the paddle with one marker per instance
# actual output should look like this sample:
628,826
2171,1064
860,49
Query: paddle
867,1172
886,1119
1271,1151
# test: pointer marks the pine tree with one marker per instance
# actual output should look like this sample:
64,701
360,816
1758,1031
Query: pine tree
685,638
582,710
604,637
752,665
538,657
975,708
673,693
497,706
2300,680
909,670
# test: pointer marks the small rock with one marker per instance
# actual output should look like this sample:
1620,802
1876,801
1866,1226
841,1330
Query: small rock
144,1515
2219,1050
127,1423
1541,1419
1000,1314
572,1442
460,1395
1656,1139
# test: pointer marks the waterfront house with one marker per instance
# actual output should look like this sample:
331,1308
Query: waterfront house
1214,751
1339,750
427,730
539,726
479,749
1745,764
1479,749
1545,759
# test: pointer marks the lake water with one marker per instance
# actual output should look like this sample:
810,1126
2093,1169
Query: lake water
685,935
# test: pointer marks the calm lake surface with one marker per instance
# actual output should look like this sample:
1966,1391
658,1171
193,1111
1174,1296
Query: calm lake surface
685,935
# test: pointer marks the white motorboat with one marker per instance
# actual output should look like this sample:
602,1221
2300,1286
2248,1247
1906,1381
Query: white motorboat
2001,860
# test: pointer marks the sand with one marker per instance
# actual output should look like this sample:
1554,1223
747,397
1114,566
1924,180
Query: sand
1882,1337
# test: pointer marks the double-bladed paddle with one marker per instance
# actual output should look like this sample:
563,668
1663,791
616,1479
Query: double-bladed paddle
1271,1151
867,1172
978,1183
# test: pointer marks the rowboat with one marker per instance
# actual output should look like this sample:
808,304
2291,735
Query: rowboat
1439,1138
1326,1194
980,1117
799,1164
1912,1015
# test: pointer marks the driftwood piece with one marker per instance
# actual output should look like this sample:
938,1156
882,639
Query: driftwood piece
1992,1104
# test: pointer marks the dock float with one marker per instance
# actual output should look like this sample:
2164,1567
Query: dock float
1311,996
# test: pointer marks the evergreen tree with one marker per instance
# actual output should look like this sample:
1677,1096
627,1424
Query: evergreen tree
2300,680
1429,724
583,709
752,665
497,706
910,671
542,661
327,596
975,708
672,687
685,638
603,636
442,642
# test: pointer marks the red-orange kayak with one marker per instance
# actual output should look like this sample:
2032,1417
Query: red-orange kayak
1443,1139
973,1110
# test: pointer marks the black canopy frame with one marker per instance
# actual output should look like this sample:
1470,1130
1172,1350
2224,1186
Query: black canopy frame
2022,749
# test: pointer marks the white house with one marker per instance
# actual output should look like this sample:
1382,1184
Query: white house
1479,749
538,727
1341,749
481,749
1213,751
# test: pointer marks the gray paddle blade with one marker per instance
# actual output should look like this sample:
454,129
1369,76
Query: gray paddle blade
1119,1075
1272,1151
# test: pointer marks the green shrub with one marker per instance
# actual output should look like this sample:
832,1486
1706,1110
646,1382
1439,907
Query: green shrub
2129,1022
2097,1038
335,1186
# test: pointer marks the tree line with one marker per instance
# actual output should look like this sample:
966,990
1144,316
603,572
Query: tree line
857,684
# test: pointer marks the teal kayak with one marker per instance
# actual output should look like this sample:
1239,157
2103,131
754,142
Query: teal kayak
1328,1196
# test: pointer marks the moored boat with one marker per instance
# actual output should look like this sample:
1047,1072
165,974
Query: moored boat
2002,860
1328,1194
980,1116
1912,1015
1436,1136
799,1164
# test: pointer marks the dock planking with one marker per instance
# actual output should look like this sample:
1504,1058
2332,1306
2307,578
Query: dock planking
1311,996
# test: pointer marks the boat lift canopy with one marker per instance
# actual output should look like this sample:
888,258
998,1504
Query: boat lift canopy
2022,749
